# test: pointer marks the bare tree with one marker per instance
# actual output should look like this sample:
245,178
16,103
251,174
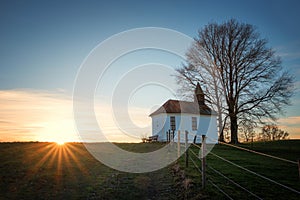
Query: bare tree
250,80
190,74
247,128
272,132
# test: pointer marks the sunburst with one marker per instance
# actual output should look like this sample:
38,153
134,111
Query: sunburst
60,143
59,157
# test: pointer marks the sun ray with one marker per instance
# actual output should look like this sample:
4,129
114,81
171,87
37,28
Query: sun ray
45,158
61,160
59,172
76,161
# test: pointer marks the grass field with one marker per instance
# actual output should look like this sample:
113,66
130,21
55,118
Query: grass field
280,171
50,171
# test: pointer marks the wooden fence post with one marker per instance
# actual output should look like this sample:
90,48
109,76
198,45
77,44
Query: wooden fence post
299,167
178,143
173,135
167,133
186,150
203,158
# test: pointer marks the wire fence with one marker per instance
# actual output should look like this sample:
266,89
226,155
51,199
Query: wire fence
259,153
209,180
257,174
233,182
213,183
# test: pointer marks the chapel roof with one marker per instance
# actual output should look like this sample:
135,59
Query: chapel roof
176,106
198,106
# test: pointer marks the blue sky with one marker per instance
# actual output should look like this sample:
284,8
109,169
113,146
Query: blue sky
43,43
46,40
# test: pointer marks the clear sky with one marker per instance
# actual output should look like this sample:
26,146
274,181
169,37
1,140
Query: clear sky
43,43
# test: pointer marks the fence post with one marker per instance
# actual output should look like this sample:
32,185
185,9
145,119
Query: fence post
167,133
186,150
203,158
299,167
173,136
178,143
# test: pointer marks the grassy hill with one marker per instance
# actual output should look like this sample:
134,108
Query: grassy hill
282,172
49,171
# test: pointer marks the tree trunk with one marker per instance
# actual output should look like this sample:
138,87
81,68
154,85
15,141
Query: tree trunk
220,126
234,129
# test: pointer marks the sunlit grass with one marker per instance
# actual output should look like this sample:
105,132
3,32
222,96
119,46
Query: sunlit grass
58,158
47,169
43,170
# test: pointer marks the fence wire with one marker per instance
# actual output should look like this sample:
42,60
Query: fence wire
243,168
233,182
259,153
230,180
210,181
254,173
196,145
195,164
197,156
222,191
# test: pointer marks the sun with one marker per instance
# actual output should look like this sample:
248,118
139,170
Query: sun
60,142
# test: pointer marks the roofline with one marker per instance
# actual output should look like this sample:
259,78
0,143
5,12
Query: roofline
212,112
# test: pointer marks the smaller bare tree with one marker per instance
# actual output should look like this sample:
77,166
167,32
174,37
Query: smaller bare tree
247,128
272,132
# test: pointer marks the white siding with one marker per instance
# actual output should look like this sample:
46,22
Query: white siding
207,125
159,126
